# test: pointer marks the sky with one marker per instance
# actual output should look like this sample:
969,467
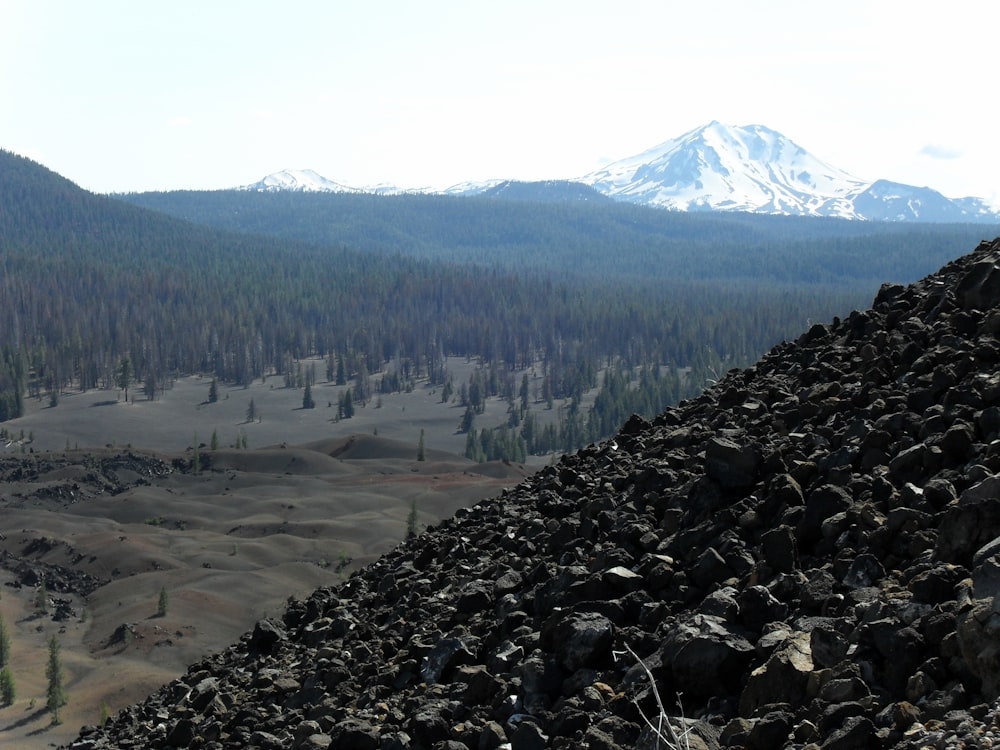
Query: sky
127,96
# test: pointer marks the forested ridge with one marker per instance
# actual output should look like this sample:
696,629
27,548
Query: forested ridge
91,283
602,239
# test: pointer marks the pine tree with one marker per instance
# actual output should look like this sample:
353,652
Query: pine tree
55,693
345,408
4,644
307,398
213,392
124,375
214,444
163,602
420,446
7,691
251,411
468,419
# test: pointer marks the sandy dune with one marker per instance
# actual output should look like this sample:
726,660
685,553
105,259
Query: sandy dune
108,529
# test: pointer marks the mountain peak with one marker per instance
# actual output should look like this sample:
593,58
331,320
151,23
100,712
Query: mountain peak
734,168
298,180
719,167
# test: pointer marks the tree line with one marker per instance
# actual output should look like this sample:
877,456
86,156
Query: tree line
604,239
96,292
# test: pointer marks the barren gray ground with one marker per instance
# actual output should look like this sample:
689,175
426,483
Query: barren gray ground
229,545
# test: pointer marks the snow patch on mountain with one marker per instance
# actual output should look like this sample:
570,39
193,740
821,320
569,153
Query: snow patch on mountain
308,181
298,181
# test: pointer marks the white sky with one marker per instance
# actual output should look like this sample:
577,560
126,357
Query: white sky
137,95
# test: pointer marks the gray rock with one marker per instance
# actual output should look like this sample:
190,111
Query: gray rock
782,678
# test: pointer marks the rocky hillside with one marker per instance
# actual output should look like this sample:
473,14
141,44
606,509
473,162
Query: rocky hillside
804,556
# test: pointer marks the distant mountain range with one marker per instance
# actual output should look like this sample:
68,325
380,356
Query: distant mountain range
713,168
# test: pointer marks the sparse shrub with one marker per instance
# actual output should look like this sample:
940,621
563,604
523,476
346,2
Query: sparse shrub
411,521
343,561
42,597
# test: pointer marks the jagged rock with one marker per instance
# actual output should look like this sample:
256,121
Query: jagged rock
266,635
779,549
182,733
979,639
865,570
823,502
782,678
492,736
758,607
528,736
622,579
583,640
970,524
706,652
827,647
732,465
447,653
771,730
856,733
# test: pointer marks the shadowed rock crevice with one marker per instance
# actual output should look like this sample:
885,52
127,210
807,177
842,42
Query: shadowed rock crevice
807,554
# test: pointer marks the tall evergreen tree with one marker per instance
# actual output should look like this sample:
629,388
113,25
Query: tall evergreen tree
55,693
124,375
8,693
163,602
4,644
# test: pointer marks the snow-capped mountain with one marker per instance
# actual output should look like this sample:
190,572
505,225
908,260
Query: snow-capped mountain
297,181
753,168
891,201
717,167
308,181
543,191
712,168
471,188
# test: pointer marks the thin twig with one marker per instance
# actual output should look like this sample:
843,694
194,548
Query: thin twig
670,736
